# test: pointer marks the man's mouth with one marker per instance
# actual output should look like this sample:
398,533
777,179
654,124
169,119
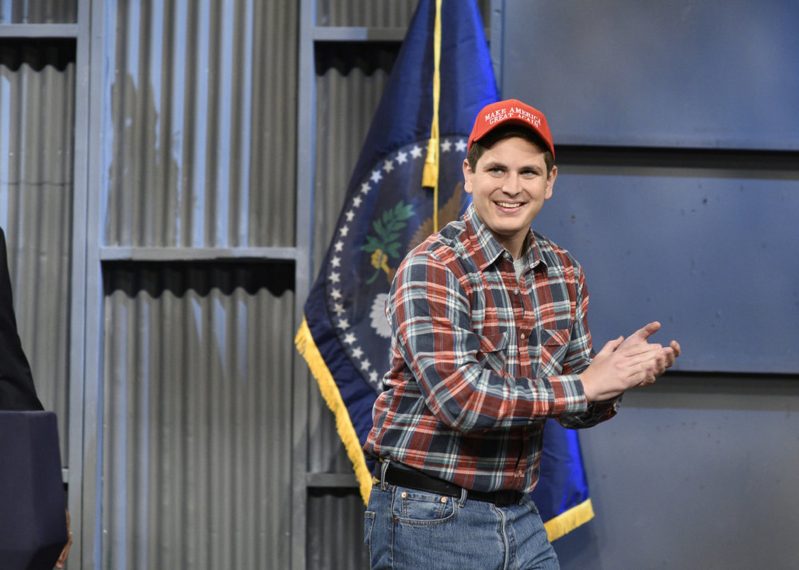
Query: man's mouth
509,205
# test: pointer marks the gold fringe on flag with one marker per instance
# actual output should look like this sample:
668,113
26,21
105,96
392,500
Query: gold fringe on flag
569,520
327,386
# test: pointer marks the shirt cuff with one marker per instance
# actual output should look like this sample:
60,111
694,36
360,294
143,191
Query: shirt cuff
568,395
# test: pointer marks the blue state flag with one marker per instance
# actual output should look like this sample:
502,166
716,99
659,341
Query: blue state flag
345,337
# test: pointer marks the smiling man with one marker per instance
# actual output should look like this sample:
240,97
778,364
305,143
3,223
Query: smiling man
489,339
514,179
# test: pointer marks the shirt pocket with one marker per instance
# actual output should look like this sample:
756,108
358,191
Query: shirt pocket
554,346
494,351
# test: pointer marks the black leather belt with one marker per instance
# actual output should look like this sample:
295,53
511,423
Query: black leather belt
397,474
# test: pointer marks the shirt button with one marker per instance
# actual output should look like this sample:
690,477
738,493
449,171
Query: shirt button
516,292
522,336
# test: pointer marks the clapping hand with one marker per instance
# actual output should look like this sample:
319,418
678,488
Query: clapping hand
626,363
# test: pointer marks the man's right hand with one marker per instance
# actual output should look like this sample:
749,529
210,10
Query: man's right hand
626,363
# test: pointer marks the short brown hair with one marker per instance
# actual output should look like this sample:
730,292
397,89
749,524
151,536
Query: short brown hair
504,132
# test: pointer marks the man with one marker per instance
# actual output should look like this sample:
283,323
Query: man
17,391
489,339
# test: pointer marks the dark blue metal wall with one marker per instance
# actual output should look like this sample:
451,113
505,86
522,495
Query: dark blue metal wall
673,73
678,145
679,134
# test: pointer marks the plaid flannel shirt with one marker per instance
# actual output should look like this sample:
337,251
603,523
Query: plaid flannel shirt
480,360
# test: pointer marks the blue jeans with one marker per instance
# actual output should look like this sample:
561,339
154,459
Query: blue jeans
409,529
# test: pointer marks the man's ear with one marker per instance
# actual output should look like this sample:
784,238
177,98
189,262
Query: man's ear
467,175
553,174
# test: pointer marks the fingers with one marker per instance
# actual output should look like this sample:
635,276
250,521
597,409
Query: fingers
668,359
62,558
653,363
646,331
647,382
654,360
611,345
626,363
639,348
671,355
644,367
640,336
671,352
637,344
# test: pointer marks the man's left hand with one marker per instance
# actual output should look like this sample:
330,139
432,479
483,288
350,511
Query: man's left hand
640,339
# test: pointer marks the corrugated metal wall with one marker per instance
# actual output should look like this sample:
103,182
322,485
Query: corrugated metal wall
203,118
387,13
37,86
197,107
381,14
200,122
197,444
335,531
38,11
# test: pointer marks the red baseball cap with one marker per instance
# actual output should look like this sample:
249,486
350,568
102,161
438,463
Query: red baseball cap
511,111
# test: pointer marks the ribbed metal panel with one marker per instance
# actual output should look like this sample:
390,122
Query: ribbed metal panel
38,11
335,531
203,115
36,145
197,425
391,13
347,99
381,14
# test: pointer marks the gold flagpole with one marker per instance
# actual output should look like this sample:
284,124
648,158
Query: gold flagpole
431,163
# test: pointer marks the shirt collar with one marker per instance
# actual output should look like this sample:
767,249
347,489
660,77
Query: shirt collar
486,249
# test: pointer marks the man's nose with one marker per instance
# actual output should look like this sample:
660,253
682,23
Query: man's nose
512,184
